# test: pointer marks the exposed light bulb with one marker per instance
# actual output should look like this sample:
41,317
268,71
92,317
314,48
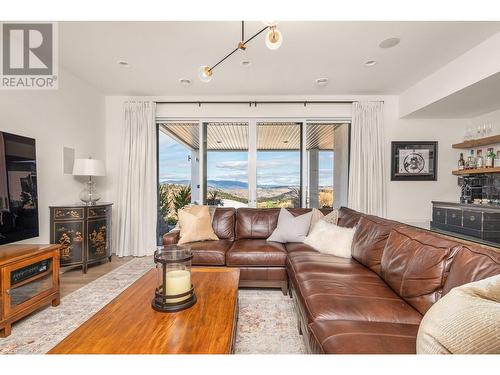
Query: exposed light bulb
205,73
274,38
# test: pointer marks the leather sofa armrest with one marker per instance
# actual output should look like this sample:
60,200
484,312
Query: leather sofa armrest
172,237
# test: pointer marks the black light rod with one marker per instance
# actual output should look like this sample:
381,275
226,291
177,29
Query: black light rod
237,48
258,33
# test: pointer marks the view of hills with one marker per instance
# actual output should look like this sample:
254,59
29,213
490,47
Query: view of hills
222,184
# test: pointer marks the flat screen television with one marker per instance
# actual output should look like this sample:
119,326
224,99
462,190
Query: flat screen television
18,188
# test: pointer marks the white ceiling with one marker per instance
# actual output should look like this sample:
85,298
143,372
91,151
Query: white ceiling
160,53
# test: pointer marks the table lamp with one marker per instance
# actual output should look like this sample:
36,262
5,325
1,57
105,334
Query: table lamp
89,167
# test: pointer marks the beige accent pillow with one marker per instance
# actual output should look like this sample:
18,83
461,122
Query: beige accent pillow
316,216
211,210
196,225
332,217
464,321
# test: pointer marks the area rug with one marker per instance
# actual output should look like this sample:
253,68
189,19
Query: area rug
266,321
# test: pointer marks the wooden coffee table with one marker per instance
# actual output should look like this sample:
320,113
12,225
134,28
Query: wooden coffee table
129,325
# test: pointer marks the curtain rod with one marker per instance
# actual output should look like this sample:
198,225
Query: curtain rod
255,102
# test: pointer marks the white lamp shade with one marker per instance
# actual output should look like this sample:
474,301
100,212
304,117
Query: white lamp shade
89,167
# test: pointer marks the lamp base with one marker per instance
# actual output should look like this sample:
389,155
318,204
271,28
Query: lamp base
161,306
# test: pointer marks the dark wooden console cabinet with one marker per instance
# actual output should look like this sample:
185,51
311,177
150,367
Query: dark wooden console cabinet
29,279
84,233
471,221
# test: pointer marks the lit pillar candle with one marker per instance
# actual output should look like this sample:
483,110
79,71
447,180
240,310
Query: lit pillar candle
177,282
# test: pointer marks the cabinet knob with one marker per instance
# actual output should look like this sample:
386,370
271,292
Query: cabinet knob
472,218
438,213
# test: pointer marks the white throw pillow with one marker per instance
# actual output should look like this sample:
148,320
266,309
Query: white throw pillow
331,239
291,228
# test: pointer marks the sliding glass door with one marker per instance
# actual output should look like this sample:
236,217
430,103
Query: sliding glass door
251,163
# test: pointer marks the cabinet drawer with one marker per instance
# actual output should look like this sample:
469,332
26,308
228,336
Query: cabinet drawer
454,217
473,219
439,215
68,213
491,216
491,225
98,212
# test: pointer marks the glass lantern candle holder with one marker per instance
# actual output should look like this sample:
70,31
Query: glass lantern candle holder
174,290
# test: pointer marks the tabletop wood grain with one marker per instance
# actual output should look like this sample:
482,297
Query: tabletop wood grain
129,325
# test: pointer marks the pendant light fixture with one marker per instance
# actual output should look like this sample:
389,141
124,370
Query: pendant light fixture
274,39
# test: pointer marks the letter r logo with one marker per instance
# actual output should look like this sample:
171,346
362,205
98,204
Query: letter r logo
27,49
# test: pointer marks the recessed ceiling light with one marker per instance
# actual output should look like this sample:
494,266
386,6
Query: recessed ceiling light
389,43
321,81
219,142
185,81
245,63
370,63
123,64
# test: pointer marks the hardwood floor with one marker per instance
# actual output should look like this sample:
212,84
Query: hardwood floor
73,279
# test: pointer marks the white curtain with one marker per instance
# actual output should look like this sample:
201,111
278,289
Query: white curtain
136,210
367,185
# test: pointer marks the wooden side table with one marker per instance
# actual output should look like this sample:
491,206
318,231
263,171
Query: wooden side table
29,279
84,233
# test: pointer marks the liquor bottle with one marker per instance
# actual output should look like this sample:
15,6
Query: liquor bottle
490,157
479,159
471,161
461,162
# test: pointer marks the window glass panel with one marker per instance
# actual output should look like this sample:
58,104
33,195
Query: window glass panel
227,164
178,146
320,154
278,164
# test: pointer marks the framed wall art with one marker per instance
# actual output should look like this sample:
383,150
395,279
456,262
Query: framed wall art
414,161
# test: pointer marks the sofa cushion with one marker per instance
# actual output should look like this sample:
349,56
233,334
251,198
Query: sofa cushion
362,337
209,253
294,247
415,264
348,218
256,253
369,240
338,306
252,223
472,263
305,263
223,223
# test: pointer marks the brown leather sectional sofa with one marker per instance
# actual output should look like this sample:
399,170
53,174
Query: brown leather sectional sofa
371,303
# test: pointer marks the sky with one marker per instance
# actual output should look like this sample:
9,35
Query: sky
273,167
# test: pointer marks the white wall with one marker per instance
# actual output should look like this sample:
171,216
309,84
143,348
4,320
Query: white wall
410,201
407,201
72,116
